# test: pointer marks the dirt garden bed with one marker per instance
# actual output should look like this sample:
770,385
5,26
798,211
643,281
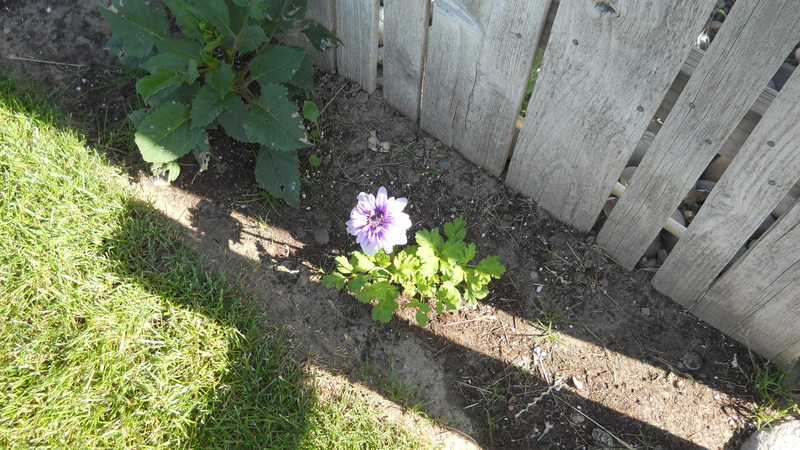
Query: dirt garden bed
568,351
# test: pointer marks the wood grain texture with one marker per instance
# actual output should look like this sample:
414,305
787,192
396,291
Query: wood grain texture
764,170
479,57
602,77
757,36
357,27
757,301
322,12
743,129
405,36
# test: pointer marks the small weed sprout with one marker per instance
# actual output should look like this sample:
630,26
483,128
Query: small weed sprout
779,399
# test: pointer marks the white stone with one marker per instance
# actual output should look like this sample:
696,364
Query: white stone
784,436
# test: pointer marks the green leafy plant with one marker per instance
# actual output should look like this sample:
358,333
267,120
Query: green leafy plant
435,273
311,114
209,63
779,399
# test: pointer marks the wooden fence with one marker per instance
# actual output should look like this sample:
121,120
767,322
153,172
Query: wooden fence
460,67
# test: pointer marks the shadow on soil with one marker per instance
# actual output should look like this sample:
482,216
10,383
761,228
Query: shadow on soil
473,392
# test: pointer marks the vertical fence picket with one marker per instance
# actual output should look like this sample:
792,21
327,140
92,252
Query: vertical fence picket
323,12
761,174
405,31
604,74
756,300
748,49
479,57
357,27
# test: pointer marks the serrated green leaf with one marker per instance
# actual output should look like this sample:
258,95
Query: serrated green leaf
430,238
334,280
381,259
357,283
276,65
274,121
383,291
137,116
405,265
251,37
451,271
166,134
383,311
310,111
456,229
320,37
386,294
491,266
278,172
314,160
422,318
207,106
361,262
480,292
468,255
216,13
232,119
185,93
284,13
138,23
187,17
429,261
343,264
165,61
221,79
183,48
449,295
303,79
456,250
158,84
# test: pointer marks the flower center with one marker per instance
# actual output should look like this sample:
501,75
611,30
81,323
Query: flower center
376,218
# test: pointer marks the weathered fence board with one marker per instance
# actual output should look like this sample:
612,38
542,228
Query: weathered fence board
764,170
603,76
405,26
756,300
743,129
728,80
357,27
479,58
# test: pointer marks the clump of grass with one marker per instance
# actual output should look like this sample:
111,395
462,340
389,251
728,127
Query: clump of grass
114,335
778,398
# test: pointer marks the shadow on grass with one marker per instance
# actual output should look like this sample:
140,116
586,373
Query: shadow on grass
263,399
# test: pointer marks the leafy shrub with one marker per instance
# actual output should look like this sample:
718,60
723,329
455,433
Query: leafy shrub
209,63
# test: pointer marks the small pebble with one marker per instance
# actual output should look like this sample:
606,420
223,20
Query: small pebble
692,360
602,437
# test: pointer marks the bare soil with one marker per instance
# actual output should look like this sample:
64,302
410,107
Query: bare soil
568,351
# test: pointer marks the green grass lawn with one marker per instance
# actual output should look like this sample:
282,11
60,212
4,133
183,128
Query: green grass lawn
114,335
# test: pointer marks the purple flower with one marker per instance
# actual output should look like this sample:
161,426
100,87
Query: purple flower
379,222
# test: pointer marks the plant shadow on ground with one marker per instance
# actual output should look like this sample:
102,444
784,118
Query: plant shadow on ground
260,371
401,361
